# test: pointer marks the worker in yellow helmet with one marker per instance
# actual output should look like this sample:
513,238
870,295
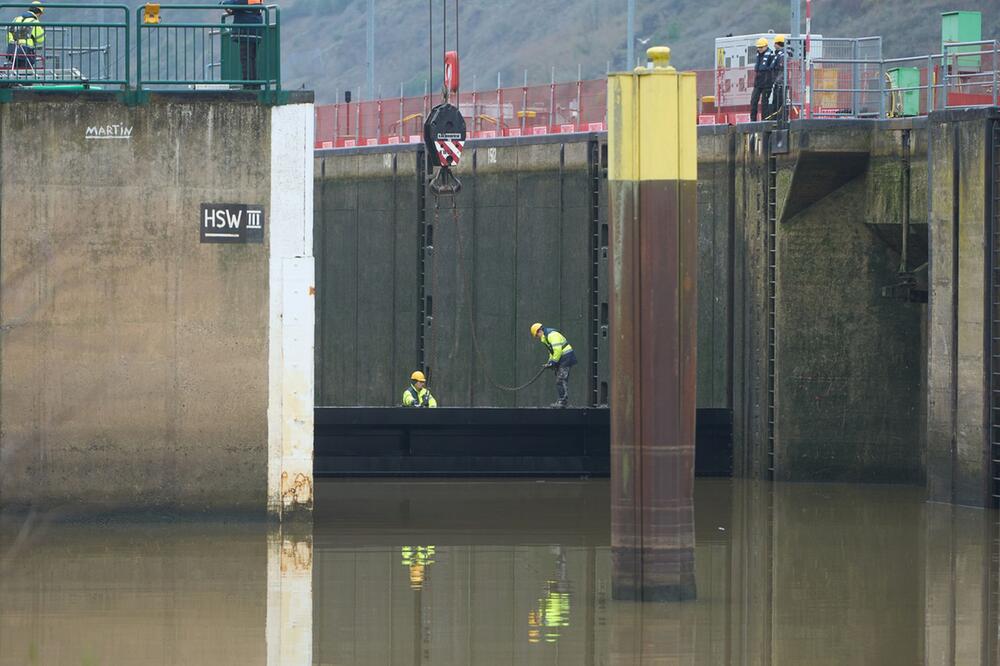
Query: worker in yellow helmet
25,36
417,394
561,359
762,79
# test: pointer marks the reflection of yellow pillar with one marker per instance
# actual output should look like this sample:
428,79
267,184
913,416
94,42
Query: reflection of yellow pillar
653,179
289,595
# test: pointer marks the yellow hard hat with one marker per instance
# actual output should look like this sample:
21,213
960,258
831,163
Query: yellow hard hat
418,377
779,39
535,328
37,5
762,42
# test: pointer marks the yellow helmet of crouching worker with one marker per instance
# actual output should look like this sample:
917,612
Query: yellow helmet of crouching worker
418,377
535,328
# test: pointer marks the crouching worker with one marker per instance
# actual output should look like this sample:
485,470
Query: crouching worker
561,359
417,394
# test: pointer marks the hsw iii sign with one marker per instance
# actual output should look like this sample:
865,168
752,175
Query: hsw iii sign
232,223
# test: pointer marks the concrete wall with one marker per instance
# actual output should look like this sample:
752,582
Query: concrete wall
848,371
958,383
139,364
847,361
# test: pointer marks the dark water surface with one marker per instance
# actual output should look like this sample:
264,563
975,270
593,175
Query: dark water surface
509,573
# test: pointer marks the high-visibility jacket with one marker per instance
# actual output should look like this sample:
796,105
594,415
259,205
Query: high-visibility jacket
422,398
30,36
560,350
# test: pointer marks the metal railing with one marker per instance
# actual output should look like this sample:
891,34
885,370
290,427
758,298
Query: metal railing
552,108
74,50
90,45
965,75
208,54
964,78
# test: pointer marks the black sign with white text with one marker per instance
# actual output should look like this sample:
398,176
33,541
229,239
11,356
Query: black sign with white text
232,223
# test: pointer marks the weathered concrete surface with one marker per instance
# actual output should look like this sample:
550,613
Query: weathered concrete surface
959,467
847,361
135,371
848,370
716,229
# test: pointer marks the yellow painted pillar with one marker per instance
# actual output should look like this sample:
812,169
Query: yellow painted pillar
652,149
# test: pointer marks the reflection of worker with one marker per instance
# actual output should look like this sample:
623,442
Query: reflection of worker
417,559
417,394
552,614
762,79
561,359
247,35
778,75
24,36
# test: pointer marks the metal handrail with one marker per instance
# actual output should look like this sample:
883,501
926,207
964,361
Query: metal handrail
124,26
269,83
947,60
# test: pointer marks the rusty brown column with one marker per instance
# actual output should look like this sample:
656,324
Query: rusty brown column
652,148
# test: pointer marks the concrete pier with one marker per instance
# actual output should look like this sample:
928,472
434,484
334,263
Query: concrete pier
652,178
156,349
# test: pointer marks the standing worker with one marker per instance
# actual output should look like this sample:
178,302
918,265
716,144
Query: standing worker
25,36
247,35
762,79
561,359
417,394
778,76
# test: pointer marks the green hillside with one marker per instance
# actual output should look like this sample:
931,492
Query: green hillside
325,39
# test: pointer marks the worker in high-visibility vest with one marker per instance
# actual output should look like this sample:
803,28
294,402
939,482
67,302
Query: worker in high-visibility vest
25,36
561,359
247,32
417,394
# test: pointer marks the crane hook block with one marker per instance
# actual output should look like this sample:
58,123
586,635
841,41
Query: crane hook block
451,71
444,136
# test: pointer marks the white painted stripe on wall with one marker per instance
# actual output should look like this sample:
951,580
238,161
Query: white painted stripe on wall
292,312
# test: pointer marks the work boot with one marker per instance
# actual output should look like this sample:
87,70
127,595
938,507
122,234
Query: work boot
558,405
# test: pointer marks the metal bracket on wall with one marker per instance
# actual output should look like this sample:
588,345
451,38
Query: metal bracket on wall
779,142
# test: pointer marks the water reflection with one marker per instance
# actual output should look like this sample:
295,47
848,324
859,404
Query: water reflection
503,573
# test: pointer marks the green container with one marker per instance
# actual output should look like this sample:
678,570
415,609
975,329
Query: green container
266,61
962,27
905,102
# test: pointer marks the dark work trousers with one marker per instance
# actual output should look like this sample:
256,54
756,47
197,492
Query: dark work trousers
562,384
778,99
759,95
248,58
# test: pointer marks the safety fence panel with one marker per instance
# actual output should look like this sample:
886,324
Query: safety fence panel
72,45
971,74
200,46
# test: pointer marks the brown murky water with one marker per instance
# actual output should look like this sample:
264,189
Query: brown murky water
510,573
